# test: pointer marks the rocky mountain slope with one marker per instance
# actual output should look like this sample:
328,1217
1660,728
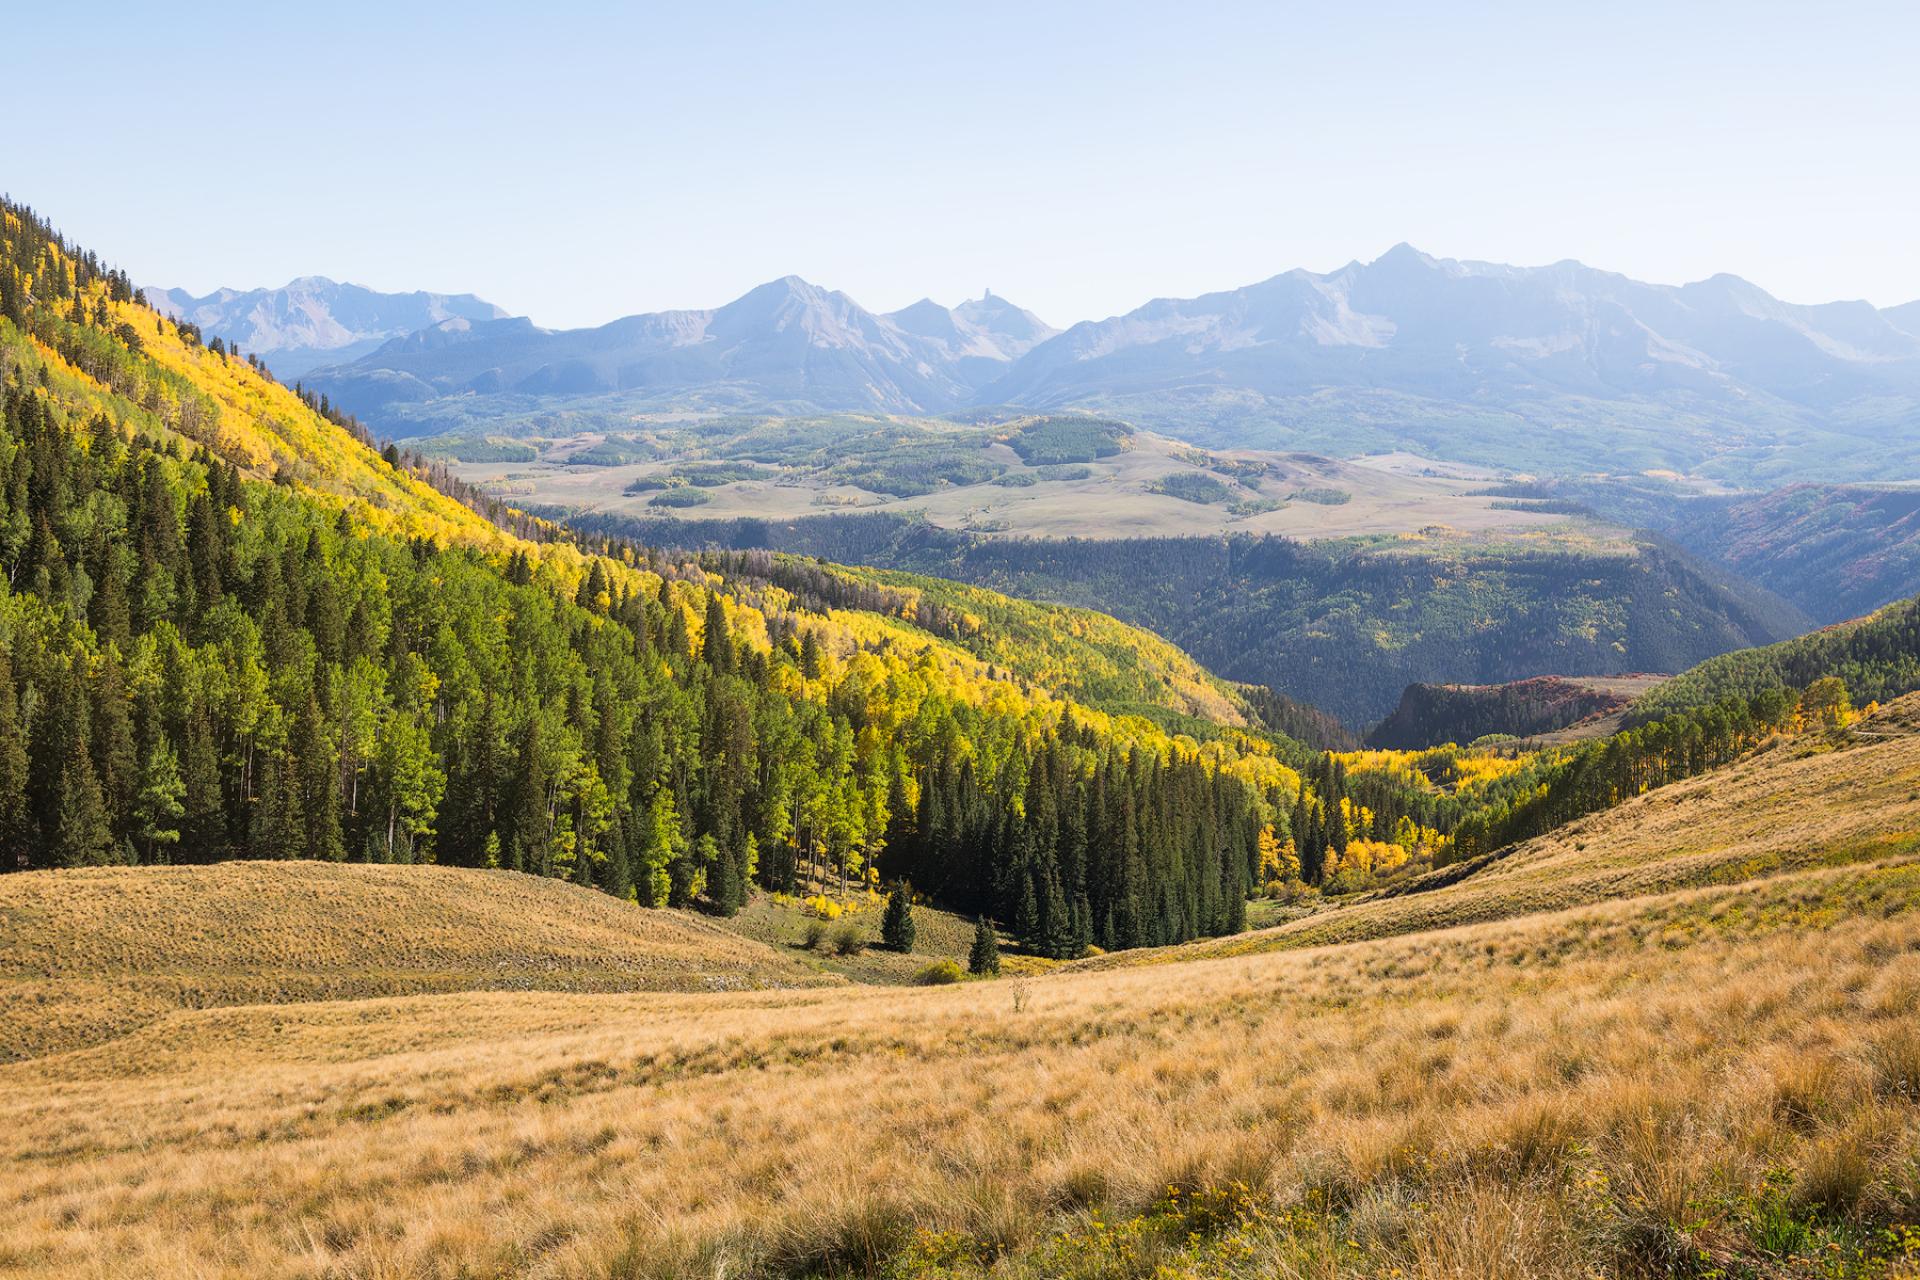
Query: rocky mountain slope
787,346
1455,360
314,320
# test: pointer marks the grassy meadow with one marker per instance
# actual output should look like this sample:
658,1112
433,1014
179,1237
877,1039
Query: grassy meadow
1699,1057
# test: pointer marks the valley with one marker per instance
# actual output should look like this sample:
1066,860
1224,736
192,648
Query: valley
1401,771
1467,1090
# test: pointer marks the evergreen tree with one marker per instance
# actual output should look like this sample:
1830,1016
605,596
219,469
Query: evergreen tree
983,959
203,824
16,818
896,926
81,836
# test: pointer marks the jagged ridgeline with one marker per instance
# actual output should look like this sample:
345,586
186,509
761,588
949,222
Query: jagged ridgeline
231,628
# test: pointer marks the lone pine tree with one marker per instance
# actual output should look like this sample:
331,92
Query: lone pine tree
896,927
984,957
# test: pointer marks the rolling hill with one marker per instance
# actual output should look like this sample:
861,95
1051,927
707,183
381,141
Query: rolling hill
1819,801
90,955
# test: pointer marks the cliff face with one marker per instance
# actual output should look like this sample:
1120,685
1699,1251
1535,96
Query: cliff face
1430,714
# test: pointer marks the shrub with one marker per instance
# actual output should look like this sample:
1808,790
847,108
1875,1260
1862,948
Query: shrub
848,940
816,935
940,973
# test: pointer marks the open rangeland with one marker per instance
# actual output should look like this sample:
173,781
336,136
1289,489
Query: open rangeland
1714,1073
87,955
1117,497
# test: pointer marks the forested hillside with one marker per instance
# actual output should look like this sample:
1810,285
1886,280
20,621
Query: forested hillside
1344,625
1835,551
231,628
1430,714
1878,658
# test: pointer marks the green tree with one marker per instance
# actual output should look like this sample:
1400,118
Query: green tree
160,806
983,959
896,926
81,836
411,782
663,844
16,818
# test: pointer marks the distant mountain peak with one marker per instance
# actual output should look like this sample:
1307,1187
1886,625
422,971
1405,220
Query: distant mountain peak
314,320
1409,350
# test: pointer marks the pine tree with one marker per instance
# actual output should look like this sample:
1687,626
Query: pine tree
716,645
984,957
319,783
81,836
896,926
1056,928
16,819
726,888
203,828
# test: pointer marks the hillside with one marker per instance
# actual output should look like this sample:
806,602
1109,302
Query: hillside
1836,551
1346,624
236,630
1607,1054
94,954
1878,657
1555,707
1825,799
1079,653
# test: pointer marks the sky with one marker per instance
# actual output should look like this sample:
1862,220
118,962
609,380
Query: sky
579,162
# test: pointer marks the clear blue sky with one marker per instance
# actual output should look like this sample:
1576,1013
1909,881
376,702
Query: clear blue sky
601,159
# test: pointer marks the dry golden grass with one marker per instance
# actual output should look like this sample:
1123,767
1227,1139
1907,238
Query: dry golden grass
1815,801
1610,1088
86,955
1719,1080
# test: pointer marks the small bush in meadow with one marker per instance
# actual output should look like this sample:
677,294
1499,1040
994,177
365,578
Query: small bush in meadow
848,940
940,973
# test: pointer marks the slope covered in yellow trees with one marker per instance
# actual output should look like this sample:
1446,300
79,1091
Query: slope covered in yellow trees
236,629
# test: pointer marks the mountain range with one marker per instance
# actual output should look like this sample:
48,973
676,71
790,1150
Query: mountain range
785,346
1547,368
313,320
